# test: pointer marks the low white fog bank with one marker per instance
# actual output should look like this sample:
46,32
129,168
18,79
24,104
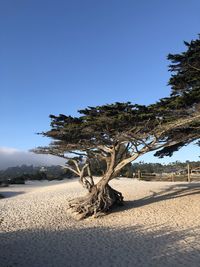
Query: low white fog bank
10,157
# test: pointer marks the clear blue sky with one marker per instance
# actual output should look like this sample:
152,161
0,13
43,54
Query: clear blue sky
63,55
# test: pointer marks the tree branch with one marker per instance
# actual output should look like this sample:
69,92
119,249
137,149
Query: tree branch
76,164
69,168
193,67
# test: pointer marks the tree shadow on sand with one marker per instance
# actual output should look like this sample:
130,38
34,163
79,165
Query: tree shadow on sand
8,194
169,192
100,246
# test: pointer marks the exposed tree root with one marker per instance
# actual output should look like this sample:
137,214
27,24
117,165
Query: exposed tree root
99,201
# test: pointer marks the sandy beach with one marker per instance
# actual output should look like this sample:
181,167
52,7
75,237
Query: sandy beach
159,225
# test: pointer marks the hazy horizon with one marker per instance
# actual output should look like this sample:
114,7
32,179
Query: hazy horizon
10,157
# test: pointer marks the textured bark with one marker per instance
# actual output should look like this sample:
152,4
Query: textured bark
101,197
100,200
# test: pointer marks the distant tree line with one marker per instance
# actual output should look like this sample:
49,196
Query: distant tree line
144,167
164,168
20,174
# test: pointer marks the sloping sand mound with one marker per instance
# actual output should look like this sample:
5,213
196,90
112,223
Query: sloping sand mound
158,226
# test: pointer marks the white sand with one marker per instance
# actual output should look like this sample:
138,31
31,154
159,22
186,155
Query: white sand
158,226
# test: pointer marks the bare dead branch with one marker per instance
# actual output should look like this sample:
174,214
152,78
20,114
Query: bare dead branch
70,168
76,165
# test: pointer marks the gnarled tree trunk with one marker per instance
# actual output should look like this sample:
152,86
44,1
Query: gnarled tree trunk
101,198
